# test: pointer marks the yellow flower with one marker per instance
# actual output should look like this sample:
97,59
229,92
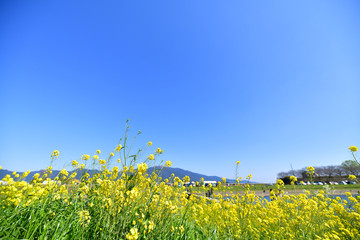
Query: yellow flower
168,164
142,168
353,148
102,161
223,180
133,234
0,167
352,177
64,172
293,179
186,179
280,182
85,157
84,218
237,162
158,150
25,174
17,175
151,225
118,160
96,157
151,157
98,151
111,154
14,173
310,170
74,163
55,153
149,144
118,148
82,166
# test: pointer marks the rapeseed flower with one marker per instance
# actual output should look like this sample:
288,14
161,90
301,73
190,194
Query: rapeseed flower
352,177
63,172
151,225
133,234
151,157
310,170
142,168
55,154
147,206
118,148
293,179
353,148
186,179
84,218
74,163
280,182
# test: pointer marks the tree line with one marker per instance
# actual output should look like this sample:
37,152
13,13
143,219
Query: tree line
348,167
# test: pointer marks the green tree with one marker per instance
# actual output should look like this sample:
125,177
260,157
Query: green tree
351,167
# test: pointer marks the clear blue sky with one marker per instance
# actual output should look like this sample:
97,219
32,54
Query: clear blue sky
267,83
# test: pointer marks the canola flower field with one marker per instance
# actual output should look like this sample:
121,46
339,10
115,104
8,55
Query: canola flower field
127,202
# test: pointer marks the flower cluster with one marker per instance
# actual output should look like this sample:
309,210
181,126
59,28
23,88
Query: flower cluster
310,170
128,201
353,148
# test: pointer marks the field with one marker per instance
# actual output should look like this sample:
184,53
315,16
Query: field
127,202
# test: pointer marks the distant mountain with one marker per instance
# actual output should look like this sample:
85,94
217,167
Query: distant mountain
178,172
165,173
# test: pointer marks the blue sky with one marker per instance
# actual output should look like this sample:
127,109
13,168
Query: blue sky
265,83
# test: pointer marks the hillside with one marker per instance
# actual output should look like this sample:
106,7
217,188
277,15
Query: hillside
166,173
